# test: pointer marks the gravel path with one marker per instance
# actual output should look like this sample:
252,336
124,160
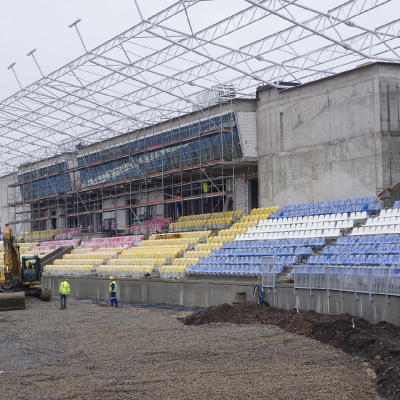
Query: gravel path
94,352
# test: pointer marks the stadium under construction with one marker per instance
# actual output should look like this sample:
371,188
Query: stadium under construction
186,170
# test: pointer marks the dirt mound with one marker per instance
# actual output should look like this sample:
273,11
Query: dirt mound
377,344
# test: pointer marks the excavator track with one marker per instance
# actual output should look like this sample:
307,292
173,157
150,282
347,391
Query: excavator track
45,294
12,301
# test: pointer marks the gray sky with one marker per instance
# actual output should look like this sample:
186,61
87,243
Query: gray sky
43,24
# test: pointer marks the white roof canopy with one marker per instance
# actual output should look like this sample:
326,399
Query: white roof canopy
160,68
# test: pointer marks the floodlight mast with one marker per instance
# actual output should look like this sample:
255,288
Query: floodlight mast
13,71
31,53
75,25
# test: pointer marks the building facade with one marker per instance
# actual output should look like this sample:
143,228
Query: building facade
330,139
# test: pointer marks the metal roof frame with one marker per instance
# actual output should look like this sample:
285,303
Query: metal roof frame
159,69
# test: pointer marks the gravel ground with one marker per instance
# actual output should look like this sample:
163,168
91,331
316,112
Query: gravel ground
93,352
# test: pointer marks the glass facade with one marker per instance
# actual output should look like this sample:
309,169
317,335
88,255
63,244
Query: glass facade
44,172
45,181
206,148
159,176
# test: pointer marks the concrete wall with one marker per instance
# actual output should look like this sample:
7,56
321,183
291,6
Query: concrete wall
241,195
4,194
206,293
375,309
187,293
247,127
331,139
390,124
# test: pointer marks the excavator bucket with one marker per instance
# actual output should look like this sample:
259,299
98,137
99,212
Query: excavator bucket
12,301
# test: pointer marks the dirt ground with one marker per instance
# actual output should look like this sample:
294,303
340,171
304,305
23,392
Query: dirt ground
378,345
90,352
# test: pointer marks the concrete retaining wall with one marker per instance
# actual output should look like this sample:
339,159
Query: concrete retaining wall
187,293
205,293
375,309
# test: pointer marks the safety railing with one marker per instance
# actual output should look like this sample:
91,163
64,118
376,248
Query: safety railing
372,280
270,272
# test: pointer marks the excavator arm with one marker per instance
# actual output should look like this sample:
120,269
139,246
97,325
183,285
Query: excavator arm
12,261
11,274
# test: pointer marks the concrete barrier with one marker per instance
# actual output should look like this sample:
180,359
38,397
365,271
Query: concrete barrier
202,293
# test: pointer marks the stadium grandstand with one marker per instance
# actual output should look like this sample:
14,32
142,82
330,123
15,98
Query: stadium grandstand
196,165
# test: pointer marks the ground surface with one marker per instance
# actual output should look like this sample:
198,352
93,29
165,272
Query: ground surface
377,345
91,352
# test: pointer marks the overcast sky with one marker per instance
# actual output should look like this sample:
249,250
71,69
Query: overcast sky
43,24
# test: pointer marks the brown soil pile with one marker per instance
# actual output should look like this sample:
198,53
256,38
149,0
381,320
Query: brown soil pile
377,344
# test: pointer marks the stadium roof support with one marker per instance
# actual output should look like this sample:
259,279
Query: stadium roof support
161,67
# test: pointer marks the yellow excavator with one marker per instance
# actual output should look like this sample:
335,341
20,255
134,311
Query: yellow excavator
18,277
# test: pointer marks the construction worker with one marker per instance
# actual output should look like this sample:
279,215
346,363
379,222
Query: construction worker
64,292
112,289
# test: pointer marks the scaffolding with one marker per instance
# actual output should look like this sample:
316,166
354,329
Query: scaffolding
188,167
120,136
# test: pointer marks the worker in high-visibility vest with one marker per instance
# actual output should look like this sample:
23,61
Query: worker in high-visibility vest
206,203
64,292
112,289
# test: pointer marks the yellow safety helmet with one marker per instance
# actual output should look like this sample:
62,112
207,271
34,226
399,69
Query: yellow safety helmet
111,278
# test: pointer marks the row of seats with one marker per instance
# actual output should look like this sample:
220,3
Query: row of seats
356,259
350,208
150,226
264,251
69,269
314,233
315,218
241,260
229,270
172,271
91,261
389,212
216,220
67,233
328,210
333,203
122,271
301,226
137,261
379,221
55,244
369,239
117,241
376,248
314,242
375,230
